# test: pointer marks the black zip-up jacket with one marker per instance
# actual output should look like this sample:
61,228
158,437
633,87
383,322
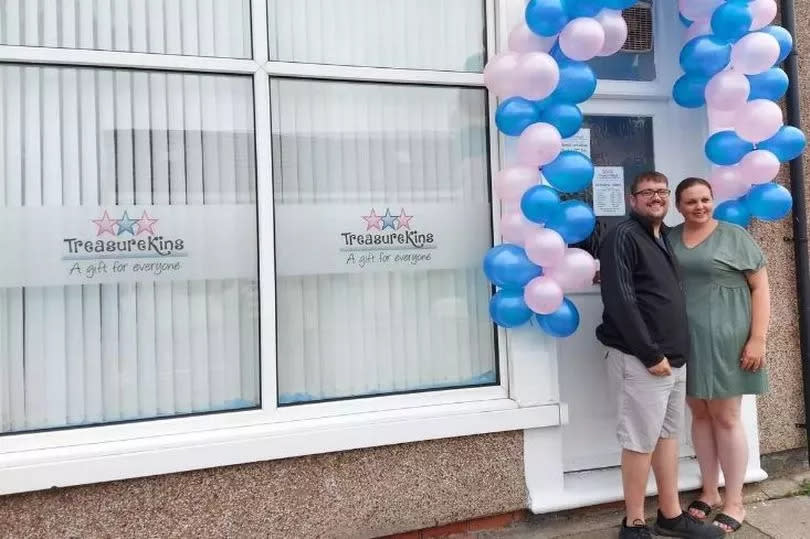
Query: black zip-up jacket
645,310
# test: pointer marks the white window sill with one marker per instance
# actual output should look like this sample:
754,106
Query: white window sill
29,470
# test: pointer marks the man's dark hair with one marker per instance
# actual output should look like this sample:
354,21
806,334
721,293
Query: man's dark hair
650,176
690,182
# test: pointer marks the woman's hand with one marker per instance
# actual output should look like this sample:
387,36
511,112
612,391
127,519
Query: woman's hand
753,356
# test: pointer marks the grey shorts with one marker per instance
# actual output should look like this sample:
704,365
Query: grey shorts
649,407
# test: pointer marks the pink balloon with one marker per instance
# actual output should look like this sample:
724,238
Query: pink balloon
758,120
720,120
499,74
543,295
615,28
763,12
515,228
698,9
582,39
759,166
698,28
575,272
512,182
754,53
536,75
728,183
523,40
728,90
539,145
545,247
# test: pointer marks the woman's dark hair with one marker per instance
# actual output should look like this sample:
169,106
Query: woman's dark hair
690,182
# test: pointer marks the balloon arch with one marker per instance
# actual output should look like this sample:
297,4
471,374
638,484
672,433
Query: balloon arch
730,61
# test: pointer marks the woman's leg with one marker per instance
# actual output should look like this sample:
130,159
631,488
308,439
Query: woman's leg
732,451
706,451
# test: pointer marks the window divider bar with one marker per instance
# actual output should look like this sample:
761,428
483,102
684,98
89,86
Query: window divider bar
374,74
259,23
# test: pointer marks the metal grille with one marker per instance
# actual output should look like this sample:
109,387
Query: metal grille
639,28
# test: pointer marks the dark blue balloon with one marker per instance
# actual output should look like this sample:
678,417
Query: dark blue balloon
574,221
726,148
539,203
582,8
788,143
705,55
516,114
577,83
769,201
690,91
618,4
546,17
733,211
570,172
783,37
507,266
731,21
565,117
561,323
558,55
684,21
508,309
771,85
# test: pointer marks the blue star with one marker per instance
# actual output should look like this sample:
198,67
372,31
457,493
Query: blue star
388,220
125,224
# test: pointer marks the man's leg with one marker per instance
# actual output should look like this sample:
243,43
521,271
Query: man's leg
665,468
635,472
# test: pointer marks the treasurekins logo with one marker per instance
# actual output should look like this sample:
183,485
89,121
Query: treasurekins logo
388,231
124,236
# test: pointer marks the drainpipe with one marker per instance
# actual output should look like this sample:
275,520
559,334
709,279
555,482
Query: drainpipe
800,241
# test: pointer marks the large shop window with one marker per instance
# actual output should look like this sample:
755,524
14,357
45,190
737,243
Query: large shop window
128,287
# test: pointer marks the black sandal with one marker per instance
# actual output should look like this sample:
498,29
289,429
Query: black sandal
701,506
728,521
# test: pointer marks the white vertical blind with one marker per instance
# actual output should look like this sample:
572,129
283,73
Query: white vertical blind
417,34
360,334
218,28
105,138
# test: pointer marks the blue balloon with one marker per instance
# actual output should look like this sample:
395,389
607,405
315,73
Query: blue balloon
565,117
726,148
539,203
574,221
705,55
516,114
788,143
733,211
731,21
769,201
583,8
619,4
690,91
570,172
561,323
783,37
508,309
577,83
771,85
684,21
546,17
508,266
558,55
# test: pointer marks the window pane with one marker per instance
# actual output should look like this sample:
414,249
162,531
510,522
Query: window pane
636,60
382,219
120,195
417,34
187,27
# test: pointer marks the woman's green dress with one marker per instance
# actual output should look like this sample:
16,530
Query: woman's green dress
718,304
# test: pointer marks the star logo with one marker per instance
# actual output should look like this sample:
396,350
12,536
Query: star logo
372,220
126,224
105,225
146,224
404,221
388,220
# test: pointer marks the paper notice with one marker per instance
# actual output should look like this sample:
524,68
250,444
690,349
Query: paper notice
608,192
580,142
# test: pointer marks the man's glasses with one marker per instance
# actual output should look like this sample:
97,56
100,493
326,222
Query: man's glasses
649,193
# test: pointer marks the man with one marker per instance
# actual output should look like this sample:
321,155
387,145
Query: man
644,328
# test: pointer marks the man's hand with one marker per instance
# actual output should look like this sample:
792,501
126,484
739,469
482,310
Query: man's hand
663,368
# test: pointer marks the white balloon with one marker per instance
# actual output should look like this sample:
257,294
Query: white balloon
759,166
755,53
536,75
758,120
696,10
523,40
727,90
763,12
615,28
582,39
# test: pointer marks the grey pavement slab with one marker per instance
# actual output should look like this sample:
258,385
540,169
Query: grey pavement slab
788,518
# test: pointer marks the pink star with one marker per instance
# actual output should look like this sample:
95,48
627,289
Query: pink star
105,224
404,221
145,224
372,220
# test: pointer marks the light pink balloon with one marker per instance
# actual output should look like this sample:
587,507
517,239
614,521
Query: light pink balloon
698,9
545,247
728,183
698,28
515,228
759,166
754,53
582,39
615,28
539,145
763,12
758,120
536,75
575,272
512,182
523,40
728,90
720,120
543,295
499,74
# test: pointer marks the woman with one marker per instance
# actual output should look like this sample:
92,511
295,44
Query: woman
728,305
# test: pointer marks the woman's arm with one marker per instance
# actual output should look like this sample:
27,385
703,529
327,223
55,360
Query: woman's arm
753,357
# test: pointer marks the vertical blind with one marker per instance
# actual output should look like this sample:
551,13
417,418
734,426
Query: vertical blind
344,335
85,354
